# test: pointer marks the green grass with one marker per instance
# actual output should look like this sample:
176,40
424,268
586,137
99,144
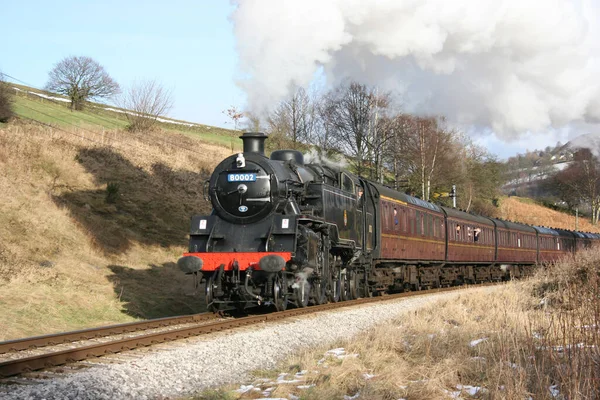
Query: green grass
95,116
56,114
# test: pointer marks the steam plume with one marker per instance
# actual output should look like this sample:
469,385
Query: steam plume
509,65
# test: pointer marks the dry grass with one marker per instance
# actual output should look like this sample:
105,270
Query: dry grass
535,339
69,259
516,209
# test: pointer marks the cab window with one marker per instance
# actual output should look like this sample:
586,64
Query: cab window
347,184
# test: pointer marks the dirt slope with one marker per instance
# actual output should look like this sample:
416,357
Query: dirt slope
71,259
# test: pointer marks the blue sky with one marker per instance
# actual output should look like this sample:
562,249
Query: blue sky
188,46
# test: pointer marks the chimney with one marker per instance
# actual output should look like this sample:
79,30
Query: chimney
254,142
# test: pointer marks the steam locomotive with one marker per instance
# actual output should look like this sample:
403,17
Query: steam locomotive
285,232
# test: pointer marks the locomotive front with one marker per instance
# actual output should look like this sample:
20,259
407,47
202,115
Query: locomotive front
241,186
242,248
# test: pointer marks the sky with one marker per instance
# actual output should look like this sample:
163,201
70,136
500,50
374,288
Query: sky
443,56
188,46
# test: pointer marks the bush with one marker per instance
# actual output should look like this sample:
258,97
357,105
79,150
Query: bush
5,102
112,193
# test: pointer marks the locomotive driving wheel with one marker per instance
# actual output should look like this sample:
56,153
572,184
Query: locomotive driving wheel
335,283
302,292
318,292
280,292
345,286
352,278
209,294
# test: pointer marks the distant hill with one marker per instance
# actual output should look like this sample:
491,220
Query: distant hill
528,211
526,172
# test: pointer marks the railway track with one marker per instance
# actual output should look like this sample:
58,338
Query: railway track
64,348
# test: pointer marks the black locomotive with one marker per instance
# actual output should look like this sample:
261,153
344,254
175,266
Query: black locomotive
283,231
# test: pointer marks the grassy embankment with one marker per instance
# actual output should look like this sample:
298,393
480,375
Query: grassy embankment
527,211
537,339
97,117
71,258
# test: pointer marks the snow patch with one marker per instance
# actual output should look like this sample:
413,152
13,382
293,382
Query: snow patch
477,341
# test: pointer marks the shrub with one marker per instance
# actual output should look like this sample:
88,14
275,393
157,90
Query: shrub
5,102
112,192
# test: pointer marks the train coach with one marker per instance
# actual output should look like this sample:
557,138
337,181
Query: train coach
284,232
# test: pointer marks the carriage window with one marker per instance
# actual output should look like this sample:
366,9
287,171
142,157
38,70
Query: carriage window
476,233
395,217
388,217
429,225
347,183
418,223
404,220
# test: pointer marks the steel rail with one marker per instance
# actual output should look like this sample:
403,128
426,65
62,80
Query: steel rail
91,333
26,364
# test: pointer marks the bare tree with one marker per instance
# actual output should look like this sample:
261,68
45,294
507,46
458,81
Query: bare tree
294,118
419,148
583,176
253,122
379,133
323,136
147,101
477,173
81,79
235,115
5,101
352,111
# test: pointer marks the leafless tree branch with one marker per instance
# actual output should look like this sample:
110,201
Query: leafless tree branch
146,101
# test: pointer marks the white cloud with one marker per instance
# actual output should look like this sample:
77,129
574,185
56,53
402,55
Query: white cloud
514,66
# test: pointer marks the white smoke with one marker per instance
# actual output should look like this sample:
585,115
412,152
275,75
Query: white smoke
509,65
313,156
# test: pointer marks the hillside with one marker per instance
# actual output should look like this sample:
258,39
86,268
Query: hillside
528,211
71,258
31,103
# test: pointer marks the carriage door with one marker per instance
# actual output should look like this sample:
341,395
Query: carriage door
360,221
352,217
368,210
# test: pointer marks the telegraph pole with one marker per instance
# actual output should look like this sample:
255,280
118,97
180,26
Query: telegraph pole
453,195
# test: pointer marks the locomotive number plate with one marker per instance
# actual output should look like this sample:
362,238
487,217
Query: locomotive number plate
241,177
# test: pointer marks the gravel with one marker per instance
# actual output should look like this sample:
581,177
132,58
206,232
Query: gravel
217,359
